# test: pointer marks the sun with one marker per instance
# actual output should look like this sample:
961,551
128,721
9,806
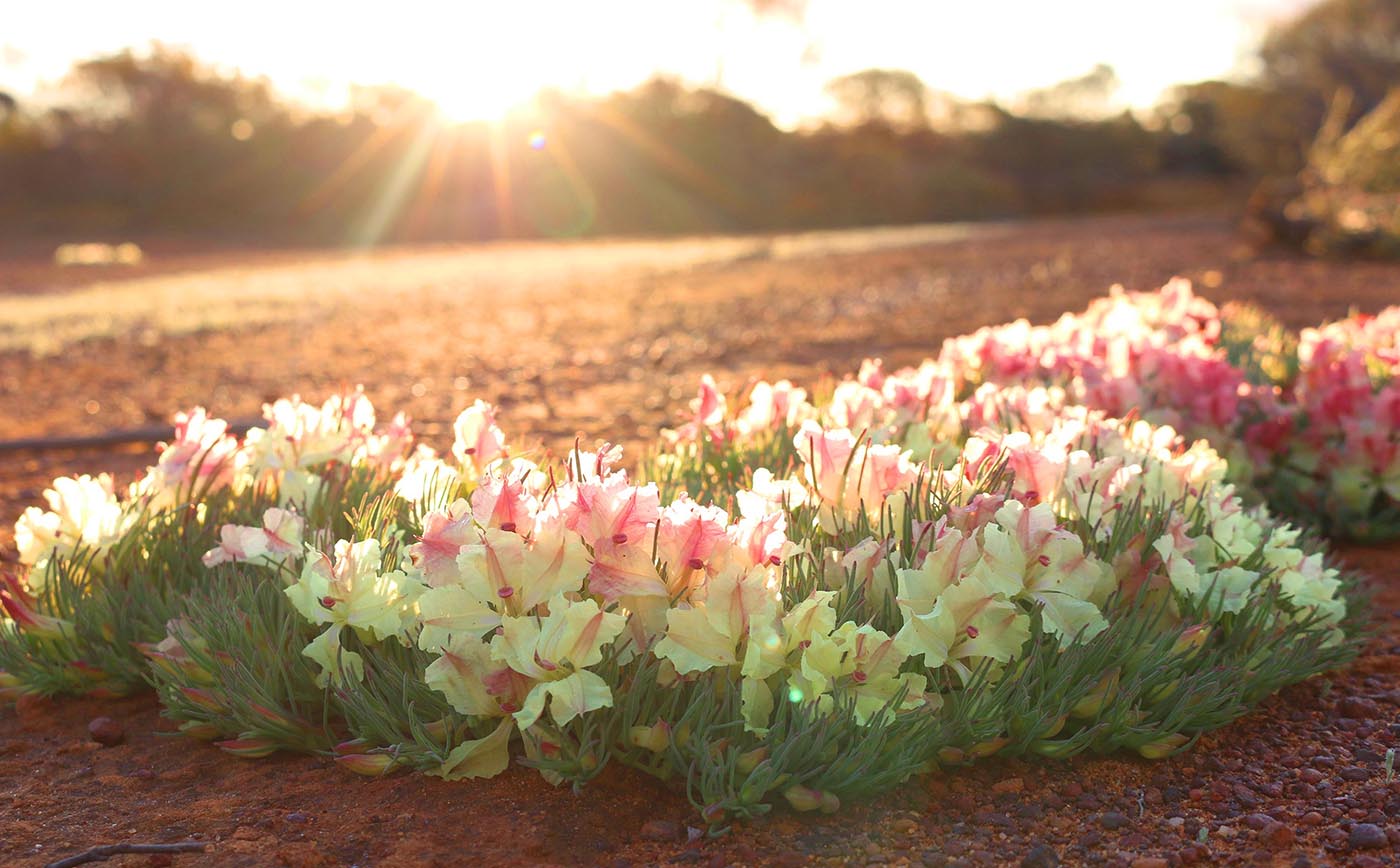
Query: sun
478,62
471,98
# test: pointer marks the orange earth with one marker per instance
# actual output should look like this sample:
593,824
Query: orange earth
612,346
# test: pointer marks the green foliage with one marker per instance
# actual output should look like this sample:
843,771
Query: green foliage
1258,344
233,667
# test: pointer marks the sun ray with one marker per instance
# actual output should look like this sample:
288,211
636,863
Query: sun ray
395,190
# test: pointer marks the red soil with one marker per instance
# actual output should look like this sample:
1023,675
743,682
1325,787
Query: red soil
1293,783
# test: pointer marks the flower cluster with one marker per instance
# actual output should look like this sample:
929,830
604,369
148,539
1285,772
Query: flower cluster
807,598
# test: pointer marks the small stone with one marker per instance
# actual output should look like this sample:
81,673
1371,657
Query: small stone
1359,708
298,817
1312,818
904,826
1041,856
1276,835
1311,776
106,731
1113,820
1354,774
1257,821
1367,836
1150,862
660,830
1009,785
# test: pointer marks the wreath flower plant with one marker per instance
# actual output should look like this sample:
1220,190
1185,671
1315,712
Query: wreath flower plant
1047,540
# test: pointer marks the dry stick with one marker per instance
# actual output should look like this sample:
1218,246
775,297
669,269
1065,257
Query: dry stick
107,851
149,434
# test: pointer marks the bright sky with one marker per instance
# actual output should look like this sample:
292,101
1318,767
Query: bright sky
478,58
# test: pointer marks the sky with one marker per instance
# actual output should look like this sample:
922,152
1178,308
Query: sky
477,59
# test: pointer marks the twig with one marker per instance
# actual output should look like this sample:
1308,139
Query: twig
152,433
148,434
107,851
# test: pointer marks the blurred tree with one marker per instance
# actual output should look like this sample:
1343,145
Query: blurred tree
1222,126
1083,97
895,98
1338,44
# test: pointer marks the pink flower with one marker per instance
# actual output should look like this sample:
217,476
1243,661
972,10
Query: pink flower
687,535
584,466
624,570
826,456
846,476
709,407
200,454
477,441
773,405
279,538
506,503
856,406
390,444
445,532
760,535
609,510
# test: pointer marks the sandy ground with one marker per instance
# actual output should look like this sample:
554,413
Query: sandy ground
611,345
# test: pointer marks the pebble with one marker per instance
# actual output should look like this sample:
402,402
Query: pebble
1367,836
1354,774
1358,707
1010,785
1150,862
106,731
1311,776
1041,856
660,830
1113,820
1312,818
1276,835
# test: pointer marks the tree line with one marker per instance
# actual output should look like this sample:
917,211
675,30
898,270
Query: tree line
159,144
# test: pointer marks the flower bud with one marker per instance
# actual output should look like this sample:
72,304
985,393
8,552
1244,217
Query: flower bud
1192,640
987,748
353,746
371,765
655,738
201,731
1054,749
1164,746
248,748
204,699
810,799
437,730
749,760
1092,704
